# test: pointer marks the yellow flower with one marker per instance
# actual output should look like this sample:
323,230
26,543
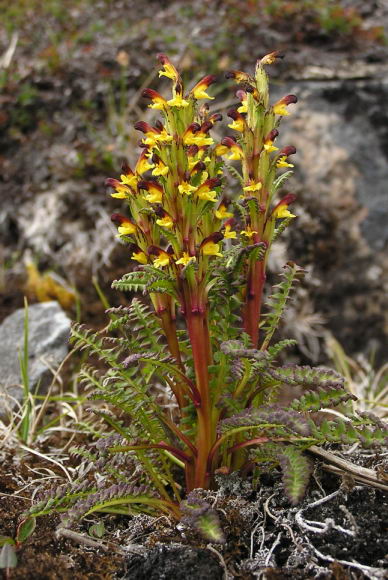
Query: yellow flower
169,69
206,194
178,101
186,188
237,125
158,102
165,222
160,169
280,108
249,233
228,233
139,257
282,212
221,213
236,153
155,196
200,139
221,150
186,259
243,108
283,163
163,136
126,228
122,192
228,145
199,91
254,186
129,179
269,147
162,260
143,164
211,249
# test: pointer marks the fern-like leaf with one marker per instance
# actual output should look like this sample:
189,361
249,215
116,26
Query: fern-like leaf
296,470
277,301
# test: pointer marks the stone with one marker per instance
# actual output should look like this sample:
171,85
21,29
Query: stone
178,562
48,336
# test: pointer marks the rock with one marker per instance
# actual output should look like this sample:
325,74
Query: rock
48,336
178,562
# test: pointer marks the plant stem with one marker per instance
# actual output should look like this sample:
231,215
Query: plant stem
253,301
200,343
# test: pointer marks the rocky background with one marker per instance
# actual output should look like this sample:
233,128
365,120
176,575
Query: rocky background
71,74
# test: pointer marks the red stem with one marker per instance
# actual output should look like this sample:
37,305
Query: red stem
200,343
253,300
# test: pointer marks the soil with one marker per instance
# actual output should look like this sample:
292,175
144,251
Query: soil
338,532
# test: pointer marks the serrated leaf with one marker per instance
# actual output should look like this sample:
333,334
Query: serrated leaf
277,184
296,469
209,526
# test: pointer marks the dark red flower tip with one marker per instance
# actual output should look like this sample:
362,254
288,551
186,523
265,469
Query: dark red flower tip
206,126
159,211
289,99
200,166
287,199
143,184
159,125
228,141
272,135
230,222
215,237
287,151
162,58
125,168
214,182
215,118
143,127
192,150
118,218
149,93
110,182
208,80
155,250
194,127
233,114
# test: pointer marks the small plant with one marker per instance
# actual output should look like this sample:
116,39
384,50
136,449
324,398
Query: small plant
193,373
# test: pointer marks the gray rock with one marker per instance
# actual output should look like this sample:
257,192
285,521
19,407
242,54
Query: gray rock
49,330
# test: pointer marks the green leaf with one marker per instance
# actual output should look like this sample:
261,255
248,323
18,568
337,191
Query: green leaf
8,558
296,469
209,526
97,530
25,529
6,540
278,300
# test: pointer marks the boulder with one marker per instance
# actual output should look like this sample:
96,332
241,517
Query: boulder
48,335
